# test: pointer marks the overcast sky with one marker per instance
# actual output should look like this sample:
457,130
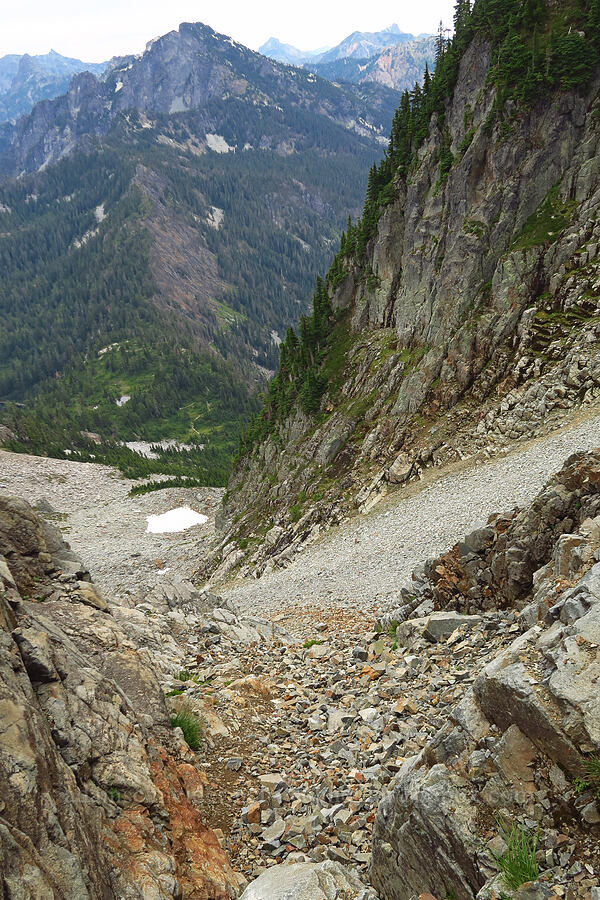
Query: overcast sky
95,30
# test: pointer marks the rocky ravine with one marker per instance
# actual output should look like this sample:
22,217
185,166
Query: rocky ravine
328,745
98,793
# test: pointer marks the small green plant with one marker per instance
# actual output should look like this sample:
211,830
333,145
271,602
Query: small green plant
243,544
183,675
518,863
311,643
392,628
296,512
176,692
591,779
114,795
190,724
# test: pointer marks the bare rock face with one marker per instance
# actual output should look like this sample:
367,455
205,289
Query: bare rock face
520,741
478,328
94,803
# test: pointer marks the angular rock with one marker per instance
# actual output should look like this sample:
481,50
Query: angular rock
308,881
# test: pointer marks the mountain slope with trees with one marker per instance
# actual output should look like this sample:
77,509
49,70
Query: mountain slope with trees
461,309
189,239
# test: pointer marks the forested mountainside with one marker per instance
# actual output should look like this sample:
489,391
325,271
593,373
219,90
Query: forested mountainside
25,80
173,220
463,308
398,67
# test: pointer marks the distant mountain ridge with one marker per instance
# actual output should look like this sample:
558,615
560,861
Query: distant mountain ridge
358,45
286,53
397,67
25,80
175,211
391,57
182,71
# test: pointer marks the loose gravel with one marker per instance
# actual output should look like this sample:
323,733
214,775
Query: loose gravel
360,565
106,526
369,558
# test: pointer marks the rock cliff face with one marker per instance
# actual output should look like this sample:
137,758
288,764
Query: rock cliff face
518,747
478,325
97,791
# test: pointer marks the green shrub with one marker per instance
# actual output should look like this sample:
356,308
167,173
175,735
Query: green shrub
114,795
183,675
296,512
190,724
518,864
311,643
591,779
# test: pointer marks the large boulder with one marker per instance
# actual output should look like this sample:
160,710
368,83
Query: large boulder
516,746
308,881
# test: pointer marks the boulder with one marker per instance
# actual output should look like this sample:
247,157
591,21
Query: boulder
308,881
442,624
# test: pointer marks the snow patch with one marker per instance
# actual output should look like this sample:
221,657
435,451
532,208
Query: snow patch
215,217
175,520
118,86
177,105
106,349
275,338
218,144
144,448
99,213
5,209
124,399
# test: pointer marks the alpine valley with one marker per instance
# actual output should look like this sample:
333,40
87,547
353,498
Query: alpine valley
161,228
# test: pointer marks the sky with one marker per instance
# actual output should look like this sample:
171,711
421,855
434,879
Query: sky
96,30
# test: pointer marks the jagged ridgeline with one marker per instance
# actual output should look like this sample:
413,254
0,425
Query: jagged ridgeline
538,47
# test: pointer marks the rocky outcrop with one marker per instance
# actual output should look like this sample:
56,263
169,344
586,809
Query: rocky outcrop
517,749
97,794
478,327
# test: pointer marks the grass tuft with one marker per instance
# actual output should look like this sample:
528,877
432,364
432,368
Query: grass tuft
518,863
190,724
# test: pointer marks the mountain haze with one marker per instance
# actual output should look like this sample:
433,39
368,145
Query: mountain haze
358,45
399,67
391,58
25,80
